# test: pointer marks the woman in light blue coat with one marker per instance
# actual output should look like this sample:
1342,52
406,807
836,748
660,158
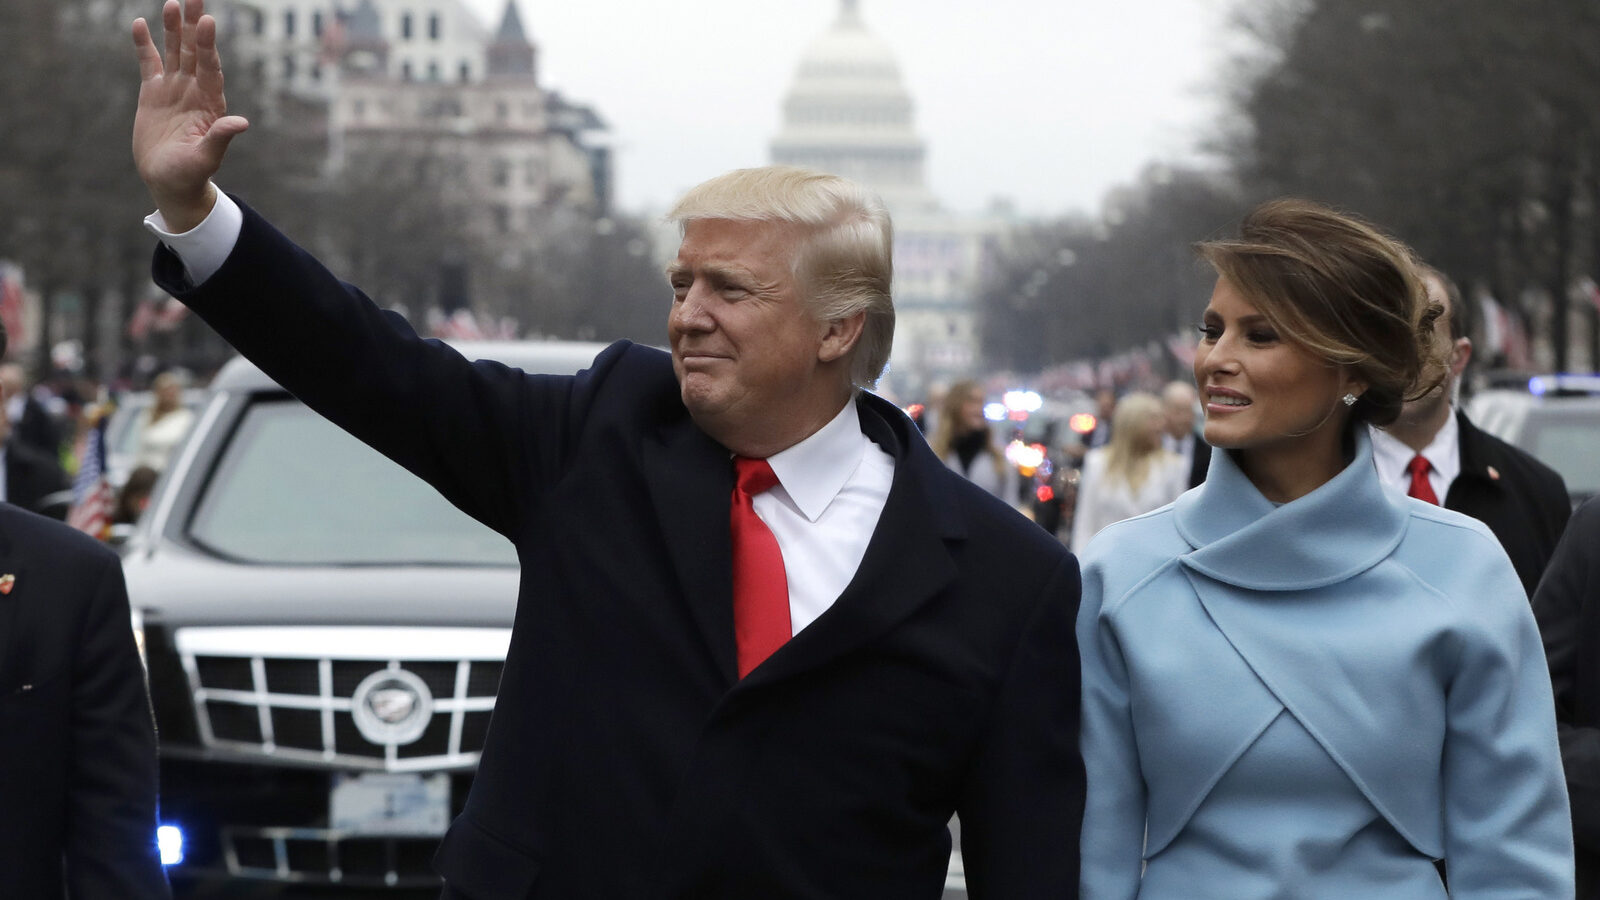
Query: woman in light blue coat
1296,683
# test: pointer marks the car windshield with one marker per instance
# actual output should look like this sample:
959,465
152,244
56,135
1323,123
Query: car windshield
1565,441
291,488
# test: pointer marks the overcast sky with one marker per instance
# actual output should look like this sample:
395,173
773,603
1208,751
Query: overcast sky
1047,102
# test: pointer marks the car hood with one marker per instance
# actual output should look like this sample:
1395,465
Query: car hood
179,587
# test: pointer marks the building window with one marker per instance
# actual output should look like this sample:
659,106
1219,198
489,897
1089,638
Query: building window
433,70
465,71
358,110
316,23
502,219
499,173
288,66
405,27
258,24
433,26
288,23
405,70
316,71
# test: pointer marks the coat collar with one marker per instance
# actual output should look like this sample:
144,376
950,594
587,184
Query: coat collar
1241,538
12,648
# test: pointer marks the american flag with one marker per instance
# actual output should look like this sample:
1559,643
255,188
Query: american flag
92,497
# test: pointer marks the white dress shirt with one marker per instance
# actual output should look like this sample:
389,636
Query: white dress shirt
204,248
832,486
1443,454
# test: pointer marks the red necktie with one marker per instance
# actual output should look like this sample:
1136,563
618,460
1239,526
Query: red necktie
1420,488
760,587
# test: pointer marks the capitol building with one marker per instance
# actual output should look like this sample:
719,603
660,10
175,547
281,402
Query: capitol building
848,112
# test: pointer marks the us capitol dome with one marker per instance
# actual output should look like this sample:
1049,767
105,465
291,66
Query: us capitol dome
848,112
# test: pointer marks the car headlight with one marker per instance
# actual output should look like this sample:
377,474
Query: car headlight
169,839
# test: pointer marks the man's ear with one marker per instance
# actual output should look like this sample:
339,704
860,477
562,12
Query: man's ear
841,337
1460,355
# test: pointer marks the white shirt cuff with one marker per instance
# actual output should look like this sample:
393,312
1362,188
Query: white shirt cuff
204,248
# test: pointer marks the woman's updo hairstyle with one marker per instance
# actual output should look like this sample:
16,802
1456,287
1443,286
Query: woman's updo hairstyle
1341,289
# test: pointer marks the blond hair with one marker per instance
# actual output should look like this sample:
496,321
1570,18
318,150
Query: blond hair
1127,458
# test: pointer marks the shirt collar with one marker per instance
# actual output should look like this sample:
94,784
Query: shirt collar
1393,457
813,471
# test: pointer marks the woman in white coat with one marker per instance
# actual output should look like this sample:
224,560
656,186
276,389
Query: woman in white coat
1131,475
963,439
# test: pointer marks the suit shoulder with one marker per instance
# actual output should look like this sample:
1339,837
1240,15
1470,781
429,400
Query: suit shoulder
1517,461
42,536
1583,528
1125,554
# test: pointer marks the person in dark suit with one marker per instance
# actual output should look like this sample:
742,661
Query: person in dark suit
31,475
33,480
31,423
1181,437
766,644
1567,605
1434,451
77,737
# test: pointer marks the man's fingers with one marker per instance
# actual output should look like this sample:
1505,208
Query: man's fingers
172,24
192,10
207,60
145,48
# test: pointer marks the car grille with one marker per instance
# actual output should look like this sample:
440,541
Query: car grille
392,699
320,856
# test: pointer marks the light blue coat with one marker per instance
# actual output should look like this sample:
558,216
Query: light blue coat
1314,700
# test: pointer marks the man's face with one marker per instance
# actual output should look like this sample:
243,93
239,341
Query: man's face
1180,413
11,379
745,348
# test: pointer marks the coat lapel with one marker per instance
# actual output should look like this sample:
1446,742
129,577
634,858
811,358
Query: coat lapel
691,479
12,648
1476,472
907,560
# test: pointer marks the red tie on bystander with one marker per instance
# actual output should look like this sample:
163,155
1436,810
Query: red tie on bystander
760,587
1420,487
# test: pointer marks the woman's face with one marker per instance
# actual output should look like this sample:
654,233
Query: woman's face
972,412
1153,427
169,393
1262,391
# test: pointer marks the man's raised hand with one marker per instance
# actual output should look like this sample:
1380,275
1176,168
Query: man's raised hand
182,128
